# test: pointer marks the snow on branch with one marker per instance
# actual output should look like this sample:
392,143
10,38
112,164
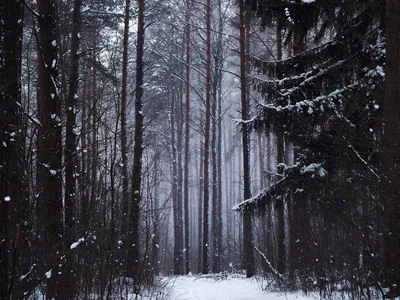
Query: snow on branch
266,192
290,174
314,169
77,243
251,201
241,121
331,101
274,271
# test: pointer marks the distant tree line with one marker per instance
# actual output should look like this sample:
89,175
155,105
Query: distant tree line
118,155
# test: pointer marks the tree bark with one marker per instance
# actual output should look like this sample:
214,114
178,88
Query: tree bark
216,149
133,256
279,206
71,151
175,192
206,193
13,201
248,256
201,199
84,174
156,218
94,153
214,199
392,143
124,169
179,147
49,149
187,136
220,63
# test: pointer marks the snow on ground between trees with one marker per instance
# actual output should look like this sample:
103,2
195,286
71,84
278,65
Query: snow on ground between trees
231,288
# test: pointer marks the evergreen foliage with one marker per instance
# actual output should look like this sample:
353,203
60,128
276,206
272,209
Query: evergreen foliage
328,101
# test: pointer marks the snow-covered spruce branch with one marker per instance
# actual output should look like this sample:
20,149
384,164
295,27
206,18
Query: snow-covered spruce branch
257,198
307,80
319,102
265,259
310,171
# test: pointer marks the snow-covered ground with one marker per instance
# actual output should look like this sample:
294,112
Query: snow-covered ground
230,288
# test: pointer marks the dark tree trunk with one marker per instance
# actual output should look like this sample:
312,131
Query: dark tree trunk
248,256
83,178
13,201
124,169
298,210
268,245
219,64
214,199
133,253
200,212
206,194
187,136
179,142
279,206
49,149
175,192
71,152
156,218
216,149
392,144
94,155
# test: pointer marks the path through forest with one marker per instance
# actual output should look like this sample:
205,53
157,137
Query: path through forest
197,288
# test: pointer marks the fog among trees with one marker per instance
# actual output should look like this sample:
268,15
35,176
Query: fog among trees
146,139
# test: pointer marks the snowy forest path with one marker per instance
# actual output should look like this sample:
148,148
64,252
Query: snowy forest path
230,288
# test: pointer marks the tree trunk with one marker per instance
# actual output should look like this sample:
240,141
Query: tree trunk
175,192
279,206
228,196
156,218
84,174
71,152
214,200
124,169
49,149
216,148
13,203
187,135
248,256
133,256
94,155
219,133
206,194
200,212
392,143
179,141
